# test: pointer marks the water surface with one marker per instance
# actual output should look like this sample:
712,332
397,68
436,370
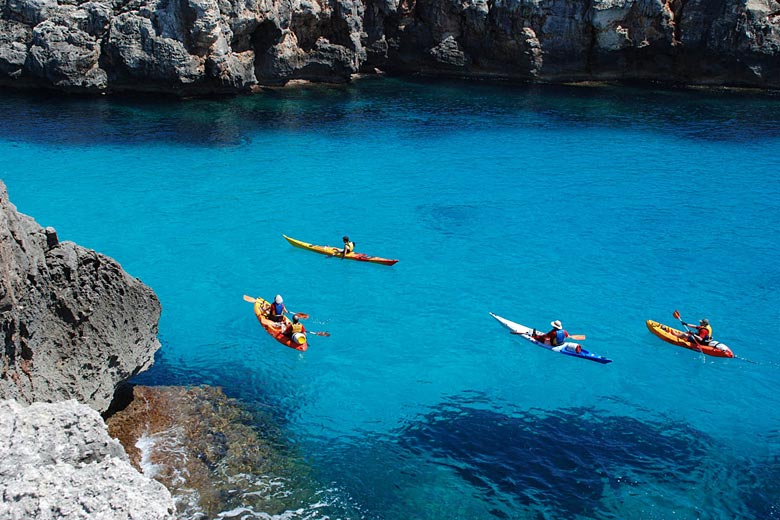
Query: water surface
601,207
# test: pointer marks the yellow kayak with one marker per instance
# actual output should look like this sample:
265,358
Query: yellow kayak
336,251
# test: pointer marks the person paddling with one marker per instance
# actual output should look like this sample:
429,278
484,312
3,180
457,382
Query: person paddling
348,246
703,332
277,309
557,336
296,331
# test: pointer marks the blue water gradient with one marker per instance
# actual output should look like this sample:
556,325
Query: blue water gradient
601,207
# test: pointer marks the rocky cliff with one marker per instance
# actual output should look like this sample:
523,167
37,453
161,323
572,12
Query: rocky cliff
74,324
230,46
57,461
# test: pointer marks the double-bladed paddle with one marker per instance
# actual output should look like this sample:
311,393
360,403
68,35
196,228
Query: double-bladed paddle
695,338
299,315
578,337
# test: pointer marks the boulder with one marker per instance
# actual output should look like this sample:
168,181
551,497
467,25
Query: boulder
65,57
15,38
75,324
58,461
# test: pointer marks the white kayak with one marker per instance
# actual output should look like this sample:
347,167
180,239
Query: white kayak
568,348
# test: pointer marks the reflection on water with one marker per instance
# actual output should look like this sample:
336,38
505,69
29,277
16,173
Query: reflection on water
430,105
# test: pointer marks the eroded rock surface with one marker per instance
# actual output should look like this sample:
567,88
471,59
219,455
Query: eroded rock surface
74,324
57,461
230,46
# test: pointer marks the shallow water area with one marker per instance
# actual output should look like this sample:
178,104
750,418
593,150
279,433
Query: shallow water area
600,207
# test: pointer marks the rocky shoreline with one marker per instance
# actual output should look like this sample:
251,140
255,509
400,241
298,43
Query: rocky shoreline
205,449
201,47
75,328
57,461
75,324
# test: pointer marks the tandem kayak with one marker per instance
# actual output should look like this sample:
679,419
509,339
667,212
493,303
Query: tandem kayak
276,329
336,251
680,338
568,348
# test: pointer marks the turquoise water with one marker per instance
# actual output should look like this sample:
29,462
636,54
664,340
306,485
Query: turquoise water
601,207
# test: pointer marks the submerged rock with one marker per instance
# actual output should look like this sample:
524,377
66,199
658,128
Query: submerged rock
75,324
207,450
57,461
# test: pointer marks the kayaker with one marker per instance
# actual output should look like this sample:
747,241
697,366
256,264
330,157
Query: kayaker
557,336
277,309
348,246
703,332
296,331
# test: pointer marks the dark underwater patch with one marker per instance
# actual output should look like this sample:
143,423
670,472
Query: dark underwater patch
758,483
561,460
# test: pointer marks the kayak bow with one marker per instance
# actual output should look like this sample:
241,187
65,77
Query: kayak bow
336,251
568,348
680,338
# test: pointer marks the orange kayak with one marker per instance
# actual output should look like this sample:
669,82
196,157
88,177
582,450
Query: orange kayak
276,329
680,338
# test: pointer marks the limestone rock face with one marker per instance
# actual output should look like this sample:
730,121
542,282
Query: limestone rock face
229,46
66,57
74,324
15,39
57,461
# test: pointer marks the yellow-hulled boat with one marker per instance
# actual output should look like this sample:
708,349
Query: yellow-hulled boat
336,251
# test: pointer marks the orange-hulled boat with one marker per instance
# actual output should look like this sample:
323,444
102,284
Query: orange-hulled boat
680,338
298,340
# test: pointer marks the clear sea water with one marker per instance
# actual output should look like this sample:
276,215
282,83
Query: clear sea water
601,207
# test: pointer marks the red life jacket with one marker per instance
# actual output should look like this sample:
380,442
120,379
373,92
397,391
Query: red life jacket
704,332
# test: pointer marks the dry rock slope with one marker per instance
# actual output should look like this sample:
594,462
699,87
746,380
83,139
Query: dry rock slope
57,461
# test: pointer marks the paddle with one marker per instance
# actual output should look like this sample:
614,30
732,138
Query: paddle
578,337
300,315
695,338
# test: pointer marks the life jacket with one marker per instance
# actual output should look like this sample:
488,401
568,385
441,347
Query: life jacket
349,246
701,332
559,338
276,309
297,327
